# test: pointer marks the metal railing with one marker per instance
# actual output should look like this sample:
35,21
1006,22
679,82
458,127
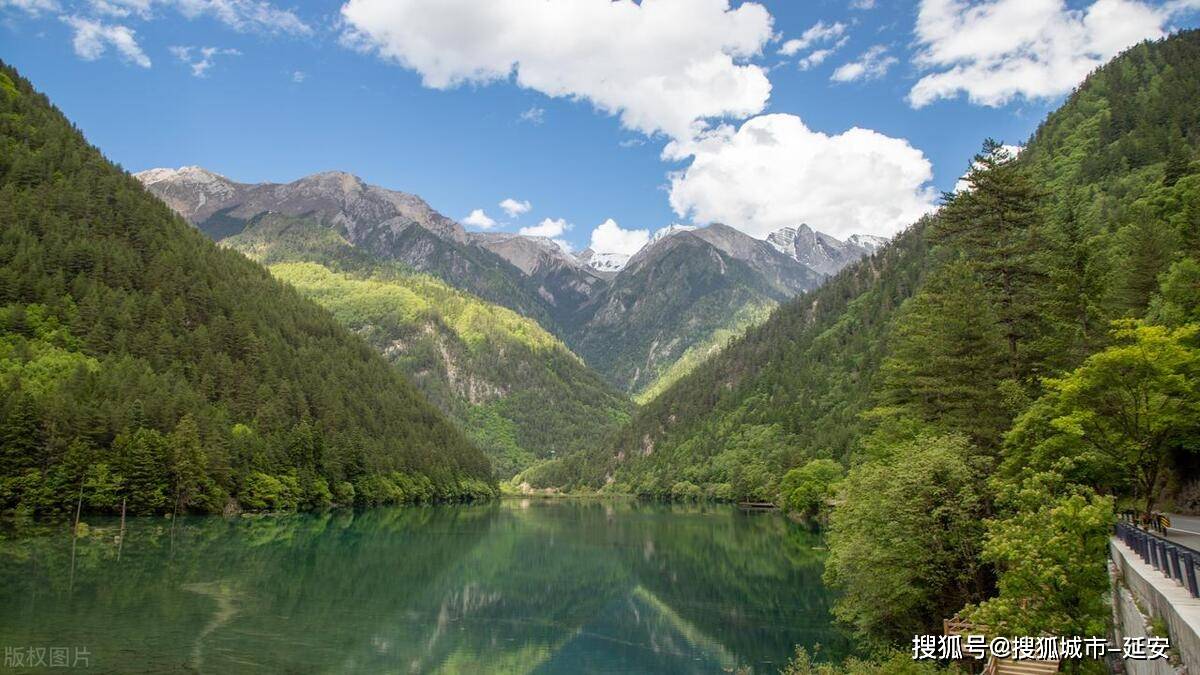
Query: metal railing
1174,560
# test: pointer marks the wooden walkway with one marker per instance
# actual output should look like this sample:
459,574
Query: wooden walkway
994,666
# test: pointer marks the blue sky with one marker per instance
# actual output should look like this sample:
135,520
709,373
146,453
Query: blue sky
413,96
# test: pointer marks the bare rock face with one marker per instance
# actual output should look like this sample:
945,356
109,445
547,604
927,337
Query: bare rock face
821,252
221,207
528,254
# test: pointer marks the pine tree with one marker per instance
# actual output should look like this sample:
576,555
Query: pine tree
947,357
187,462
994,225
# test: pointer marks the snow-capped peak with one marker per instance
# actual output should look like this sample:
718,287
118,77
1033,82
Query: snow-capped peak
868,241
669,230
184,174
603,262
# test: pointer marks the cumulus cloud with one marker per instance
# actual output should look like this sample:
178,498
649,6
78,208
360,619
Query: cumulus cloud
609,237
478,218
774,171
92,38
661,66
998,50
549,227
819,32
514,207
200,59
872,64
299,76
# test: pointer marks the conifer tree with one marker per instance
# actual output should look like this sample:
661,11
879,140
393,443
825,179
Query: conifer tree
994,225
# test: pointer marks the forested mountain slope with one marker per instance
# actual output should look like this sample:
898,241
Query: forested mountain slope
727,426
514,388
1102,222
685,292
681,292
141,362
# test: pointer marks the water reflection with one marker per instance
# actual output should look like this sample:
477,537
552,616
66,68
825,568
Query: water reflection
531,587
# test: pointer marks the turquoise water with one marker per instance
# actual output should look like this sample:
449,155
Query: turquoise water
516,586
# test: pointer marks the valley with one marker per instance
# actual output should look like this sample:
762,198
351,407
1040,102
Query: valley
621,327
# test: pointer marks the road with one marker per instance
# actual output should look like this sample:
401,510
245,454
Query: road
1185,530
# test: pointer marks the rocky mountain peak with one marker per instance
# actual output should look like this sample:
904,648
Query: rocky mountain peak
529,254
820,251
336,199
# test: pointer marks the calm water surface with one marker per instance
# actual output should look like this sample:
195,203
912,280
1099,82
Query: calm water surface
518,586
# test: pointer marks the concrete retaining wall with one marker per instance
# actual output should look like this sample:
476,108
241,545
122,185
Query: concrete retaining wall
1159,597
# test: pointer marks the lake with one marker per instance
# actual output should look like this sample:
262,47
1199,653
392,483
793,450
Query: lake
539,586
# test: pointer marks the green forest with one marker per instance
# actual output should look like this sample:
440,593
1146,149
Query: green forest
982,396
512,387
965,412
142,365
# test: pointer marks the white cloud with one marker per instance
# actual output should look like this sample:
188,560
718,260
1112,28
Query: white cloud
478,218
1010,152
819,32
774,171
816,58
609,237
93,38
660,66
534,115
872,64
515,207
549,227
204,60
299,76
242,15
32,7
862,4
121,8
998,50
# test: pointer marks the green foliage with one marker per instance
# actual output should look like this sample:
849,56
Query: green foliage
129,340
994,226
513,388
678,300
747,317
891,663
947,354
1050,551
1123,413
807,489
1178,301
803,377
904,544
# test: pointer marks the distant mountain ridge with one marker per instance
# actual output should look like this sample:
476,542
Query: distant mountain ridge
629,316
822,252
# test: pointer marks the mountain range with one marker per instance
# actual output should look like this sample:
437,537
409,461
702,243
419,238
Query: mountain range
629,318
